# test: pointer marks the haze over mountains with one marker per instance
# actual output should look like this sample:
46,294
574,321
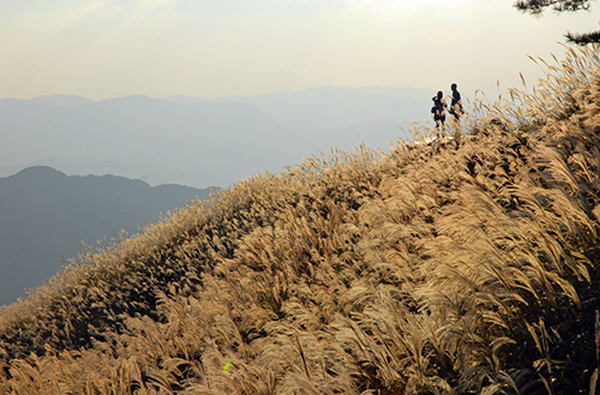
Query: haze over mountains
176,140
45,216
198,142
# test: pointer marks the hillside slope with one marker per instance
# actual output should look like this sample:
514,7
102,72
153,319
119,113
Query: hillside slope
468,265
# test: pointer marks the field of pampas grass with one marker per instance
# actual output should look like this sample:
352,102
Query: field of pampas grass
465,265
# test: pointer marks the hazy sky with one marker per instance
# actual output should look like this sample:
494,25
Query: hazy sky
211,48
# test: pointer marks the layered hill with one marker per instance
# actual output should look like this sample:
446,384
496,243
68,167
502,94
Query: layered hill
465,265
46,216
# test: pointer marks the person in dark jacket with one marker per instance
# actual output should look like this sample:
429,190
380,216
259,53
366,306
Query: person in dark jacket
439,110
456,108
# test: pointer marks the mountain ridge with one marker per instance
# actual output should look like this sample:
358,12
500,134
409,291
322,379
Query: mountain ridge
225,139
60,214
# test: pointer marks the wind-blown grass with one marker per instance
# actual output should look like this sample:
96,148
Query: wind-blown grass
467,265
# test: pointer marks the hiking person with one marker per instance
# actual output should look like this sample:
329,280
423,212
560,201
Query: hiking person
438,109
456,107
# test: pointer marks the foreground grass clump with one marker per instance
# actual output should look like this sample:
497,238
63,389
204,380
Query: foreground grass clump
469,265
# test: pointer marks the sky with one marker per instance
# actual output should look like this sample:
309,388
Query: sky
211,48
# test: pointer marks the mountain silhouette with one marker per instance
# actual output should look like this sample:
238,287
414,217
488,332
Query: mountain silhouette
45,216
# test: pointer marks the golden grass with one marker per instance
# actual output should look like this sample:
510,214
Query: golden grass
466,265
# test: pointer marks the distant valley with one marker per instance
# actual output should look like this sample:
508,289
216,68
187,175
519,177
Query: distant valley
45,216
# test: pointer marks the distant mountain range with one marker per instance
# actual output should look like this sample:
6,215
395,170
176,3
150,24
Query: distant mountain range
331,107
198,142
45,216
